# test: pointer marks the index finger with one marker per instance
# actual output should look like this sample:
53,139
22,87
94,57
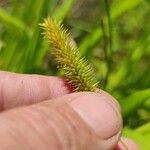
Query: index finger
18,89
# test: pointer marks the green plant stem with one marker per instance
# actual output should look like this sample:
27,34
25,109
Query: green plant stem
108,45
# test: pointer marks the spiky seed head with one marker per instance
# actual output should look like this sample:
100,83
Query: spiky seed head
75,68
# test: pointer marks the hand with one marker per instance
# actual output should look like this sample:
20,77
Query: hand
38,113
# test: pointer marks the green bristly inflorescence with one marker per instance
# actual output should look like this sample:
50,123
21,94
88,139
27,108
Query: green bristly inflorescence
76,69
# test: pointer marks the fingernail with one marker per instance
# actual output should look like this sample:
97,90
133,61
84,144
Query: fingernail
98,114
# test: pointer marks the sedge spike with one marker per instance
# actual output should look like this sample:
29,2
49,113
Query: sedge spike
76,69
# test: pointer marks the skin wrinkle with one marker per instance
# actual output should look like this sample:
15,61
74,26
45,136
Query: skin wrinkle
70,117
54,117
67,129
26,126
8,125
61,131
72,142
47,122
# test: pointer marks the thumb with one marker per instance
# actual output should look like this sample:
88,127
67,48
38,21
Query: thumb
78,121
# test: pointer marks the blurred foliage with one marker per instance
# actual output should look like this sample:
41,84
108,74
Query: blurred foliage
114,38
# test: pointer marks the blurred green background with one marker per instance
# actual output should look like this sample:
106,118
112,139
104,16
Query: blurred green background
114,35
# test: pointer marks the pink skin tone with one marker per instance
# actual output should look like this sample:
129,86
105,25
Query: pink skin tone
39,112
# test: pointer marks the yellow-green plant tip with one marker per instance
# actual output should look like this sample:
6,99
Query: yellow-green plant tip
75,68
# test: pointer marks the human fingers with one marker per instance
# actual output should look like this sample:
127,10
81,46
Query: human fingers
18,89
75,121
